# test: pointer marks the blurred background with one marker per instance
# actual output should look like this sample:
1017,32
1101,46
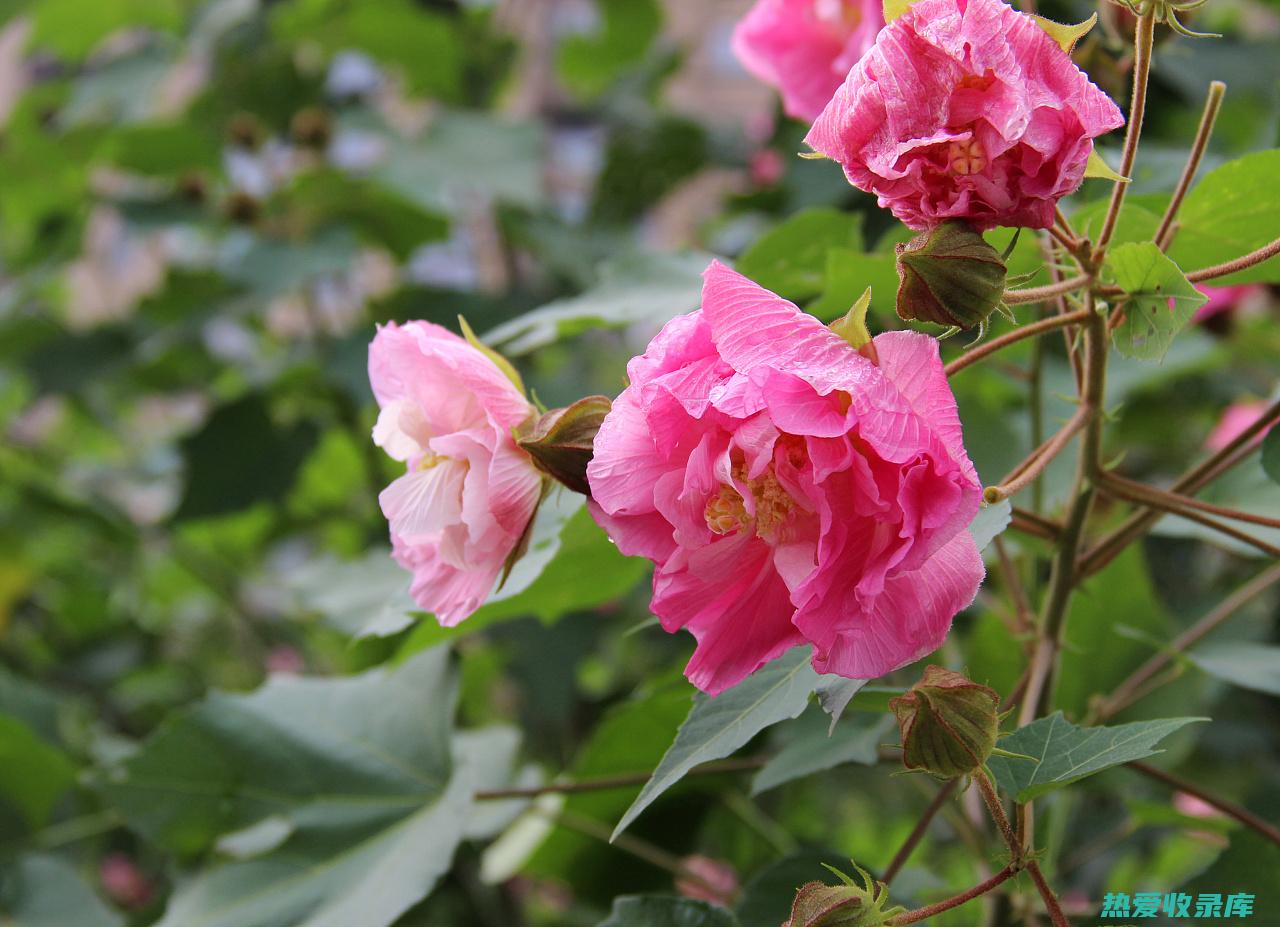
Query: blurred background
205,209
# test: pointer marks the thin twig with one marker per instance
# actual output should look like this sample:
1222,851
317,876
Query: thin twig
1051,903
1135,685
1191,502
919,914
623,781
1190,482
917,833
1031,468
1240,263
1163,504
1241,814
1021,333
1143,42
1037,293
1212,103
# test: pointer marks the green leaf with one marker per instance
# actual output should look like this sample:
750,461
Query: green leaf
47,891
73,28
460,155
1271,455
1065,753
1235,209
1248,865
791,258
848,275
1247,664
368,597
716,727
660,911
834,695
241,457
1066,35
361,771
819,746
649,288
419,42
1151,282
589,64
767,897
1095,657
631,738
990,522
33,774
1096,166
164,149
381,216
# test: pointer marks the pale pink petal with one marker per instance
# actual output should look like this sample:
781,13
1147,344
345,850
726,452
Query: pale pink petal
420,504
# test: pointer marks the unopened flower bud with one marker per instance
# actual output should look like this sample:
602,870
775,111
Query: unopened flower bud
311,127
949,275
560,441
847,905
707,879
949,723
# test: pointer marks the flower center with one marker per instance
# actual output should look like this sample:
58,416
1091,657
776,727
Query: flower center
966,157
428,460
726,511
840,15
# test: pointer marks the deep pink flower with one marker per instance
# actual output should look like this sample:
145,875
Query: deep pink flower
469,492
965,109
1238,418
789,490
805,48
1224,298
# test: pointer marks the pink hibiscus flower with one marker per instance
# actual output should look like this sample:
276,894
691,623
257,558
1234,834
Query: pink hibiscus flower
965,109
1236,420
1225,298
804,48
789,490
469,491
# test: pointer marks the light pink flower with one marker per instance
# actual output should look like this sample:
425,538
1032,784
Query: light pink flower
1234,422
789,490
805,48
965,109
469,491
1224,298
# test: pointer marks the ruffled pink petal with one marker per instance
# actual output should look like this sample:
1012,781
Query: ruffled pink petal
626,463
907,621
449,593
733,600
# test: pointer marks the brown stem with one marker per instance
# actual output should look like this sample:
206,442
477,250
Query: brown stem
1030,469
1191,502
992,800
1212,103
1153,501
1143,42
919,914
917,833
625,780
1037,293
1241,814
1023,623
1051,904
1192,481
1018,334
1035,525
1136,685
1240,263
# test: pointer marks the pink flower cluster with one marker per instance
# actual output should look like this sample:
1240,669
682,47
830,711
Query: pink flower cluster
805,48
790,490
469,491
965,109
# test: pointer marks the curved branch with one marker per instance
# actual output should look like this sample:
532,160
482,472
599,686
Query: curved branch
1240,263
1018,334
